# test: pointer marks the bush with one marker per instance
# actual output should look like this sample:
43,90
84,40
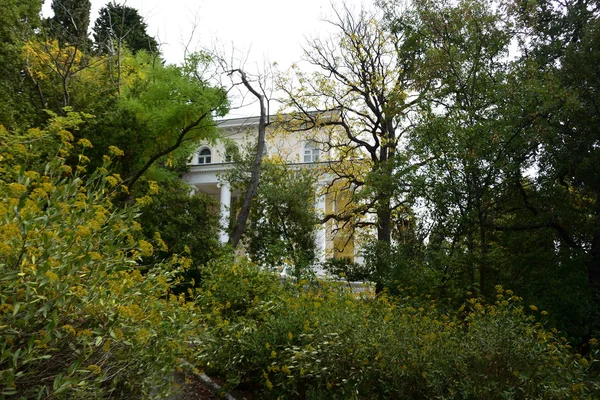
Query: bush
320,341
77,318
187,224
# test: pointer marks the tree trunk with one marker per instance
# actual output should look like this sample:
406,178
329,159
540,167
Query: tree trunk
242,219
384,239
483,255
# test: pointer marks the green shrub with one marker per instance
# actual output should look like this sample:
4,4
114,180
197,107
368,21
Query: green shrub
320,341
77,317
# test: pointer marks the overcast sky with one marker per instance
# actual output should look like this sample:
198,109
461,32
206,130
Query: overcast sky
271,30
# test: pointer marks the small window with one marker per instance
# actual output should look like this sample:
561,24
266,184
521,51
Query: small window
311,152
204,157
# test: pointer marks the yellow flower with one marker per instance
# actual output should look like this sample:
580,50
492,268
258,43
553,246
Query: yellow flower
143,336
153,187
85,143
94,369
269,384
84,333
115,151
69,329
83,230
145,248
118,334
17,189
533,308
112,182
84,159
52,276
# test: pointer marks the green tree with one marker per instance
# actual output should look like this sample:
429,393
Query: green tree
161,113
283,219
18,20
560,56
359,104
186,224
469,130
70,22
118,25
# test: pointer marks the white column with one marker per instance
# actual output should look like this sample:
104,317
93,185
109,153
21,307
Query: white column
321,233
225,207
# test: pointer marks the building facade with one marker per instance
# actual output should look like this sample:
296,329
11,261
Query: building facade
298,149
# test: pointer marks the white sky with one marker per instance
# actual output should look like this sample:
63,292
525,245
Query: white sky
264,30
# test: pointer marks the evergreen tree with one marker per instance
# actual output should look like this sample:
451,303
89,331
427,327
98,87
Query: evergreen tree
70,22
119,25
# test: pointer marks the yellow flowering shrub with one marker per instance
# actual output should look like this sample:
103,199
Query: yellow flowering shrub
77,317
317,340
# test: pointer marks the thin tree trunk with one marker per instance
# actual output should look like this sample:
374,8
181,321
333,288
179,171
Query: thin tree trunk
242,219
483,255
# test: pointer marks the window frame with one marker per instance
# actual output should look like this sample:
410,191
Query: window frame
204,158
312,153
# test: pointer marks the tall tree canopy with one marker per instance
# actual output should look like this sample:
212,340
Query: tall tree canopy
119,25
360,102
18,20
70,22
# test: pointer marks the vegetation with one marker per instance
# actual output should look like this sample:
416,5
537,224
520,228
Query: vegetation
79,317
473,169
320,341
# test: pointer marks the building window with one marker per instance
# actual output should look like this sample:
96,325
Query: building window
204,157
311,152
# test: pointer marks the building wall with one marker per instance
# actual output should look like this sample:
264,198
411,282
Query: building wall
333,241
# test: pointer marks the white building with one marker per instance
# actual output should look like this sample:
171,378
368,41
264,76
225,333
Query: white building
211,160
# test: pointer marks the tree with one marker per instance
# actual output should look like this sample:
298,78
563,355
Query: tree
283,218
251,189
565,53
161,113
360,104
18,20
70,22
472,131
119,25
186,224
559,57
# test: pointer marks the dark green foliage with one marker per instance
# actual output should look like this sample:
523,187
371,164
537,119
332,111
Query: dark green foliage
346,269
70,22
186,223
510,152
283,219
119,25
18,19
398,266
322,342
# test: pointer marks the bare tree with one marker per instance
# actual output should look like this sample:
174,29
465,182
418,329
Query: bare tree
263,122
